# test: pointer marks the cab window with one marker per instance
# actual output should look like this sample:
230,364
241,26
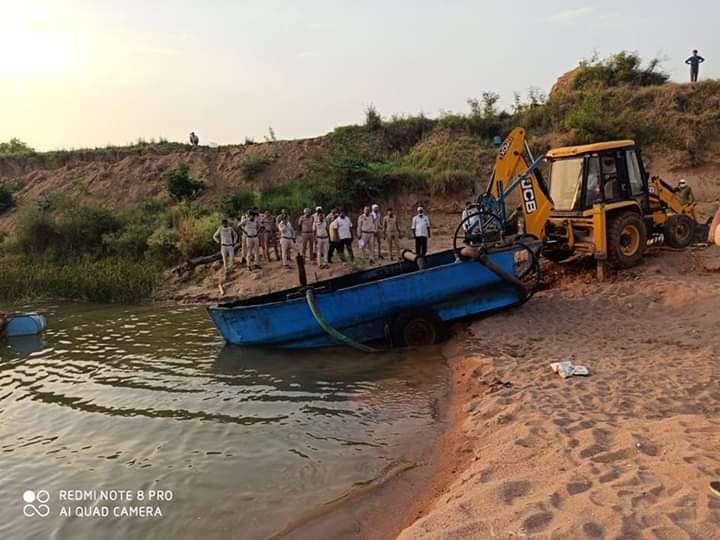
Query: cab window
634,174
593,185
565,180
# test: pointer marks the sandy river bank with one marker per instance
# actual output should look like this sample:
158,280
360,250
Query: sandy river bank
625,453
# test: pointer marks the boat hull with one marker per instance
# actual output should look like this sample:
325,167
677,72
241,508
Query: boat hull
451,289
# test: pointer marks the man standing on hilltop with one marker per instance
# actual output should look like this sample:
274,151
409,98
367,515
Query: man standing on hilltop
694,61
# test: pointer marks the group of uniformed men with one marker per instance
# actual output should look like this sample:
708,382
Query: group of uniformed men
319,236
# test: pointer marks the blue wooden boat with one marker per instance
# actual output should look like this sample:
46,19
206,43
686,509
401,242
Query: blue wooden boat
400,301
23,324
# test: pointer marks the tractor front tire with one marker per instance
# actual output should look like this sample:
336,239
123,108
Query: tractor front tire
679,231
626,239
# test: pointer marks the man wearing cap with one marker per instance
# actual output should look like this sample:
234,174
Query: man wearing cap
227,238
268,235
322,242
333,236
251,229
421,231
684,192
694,62
368,233
305,226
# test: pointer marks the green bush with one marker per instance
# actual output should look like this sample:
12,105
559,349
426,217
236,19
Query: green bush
373,120
195,235
181,186
620,68
253,166
7,200
15,146
137,225
239,202
593,123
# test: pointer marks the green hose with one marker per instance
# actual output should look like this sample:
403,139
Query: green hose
342,338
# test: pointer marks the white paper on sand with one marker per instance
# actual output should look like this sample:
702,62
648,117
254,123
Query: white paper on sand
566,369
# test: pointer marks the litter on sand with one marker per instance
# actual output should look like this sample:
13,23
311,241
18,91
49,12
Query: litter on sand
715,488
566,369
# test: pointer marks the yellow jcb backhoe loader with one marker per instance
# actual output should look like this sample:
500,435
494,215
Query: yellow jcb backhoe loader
599,201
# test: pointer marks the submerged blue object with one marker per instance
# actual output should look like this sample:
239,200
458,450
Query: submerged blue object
25,324
362,304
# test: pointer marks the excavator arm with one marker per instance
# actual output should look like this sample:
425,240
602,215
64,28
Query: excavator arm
515,169
664,195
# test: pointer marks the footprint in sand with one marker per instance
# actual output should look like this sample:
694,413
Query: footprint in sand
592,530
513,490
578,485
537,522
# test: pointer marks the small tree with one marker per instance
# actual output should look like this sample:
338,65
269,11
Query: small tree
181,186
270,137
15,146
373,120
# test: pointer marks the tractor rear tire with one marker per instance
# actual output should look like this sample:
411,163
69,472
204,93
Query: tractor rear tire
626,239
679,231
416,328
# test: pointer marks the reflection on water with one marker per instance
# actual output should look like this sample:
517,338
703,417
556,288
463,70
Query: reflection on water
149,398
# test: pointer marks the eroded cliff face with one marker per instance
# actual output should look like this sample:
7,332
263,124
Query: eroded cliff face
119,178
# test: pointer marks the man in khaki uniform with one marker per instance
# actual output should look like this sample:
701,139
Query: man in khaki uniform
251,230
305,226
287,238
268,235
322,239
378,218
391,231
367,227
334,245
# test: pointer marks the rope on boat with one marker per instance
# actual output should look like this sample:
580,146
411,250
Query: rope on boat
310,297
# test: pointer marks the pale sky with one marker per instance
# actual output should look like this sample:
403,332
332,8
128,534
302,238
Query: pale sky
78,73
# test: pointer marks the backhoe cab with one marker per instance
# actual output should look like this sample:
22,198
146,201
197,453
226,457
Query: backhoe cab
599,201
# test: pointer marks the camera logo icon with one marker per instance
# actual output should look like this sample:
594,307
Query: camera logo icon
35,503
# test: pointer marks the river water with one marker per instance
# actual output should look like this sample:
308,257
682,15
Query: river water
138,422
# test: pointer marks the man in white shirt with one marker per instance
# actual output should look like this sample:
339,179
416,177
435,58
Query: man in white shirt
251,228
421,231
367,228
227,238
343,229
287,238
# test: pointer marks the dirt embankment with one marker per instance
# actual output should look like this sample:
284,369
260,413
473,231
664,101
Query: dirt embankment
120,178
